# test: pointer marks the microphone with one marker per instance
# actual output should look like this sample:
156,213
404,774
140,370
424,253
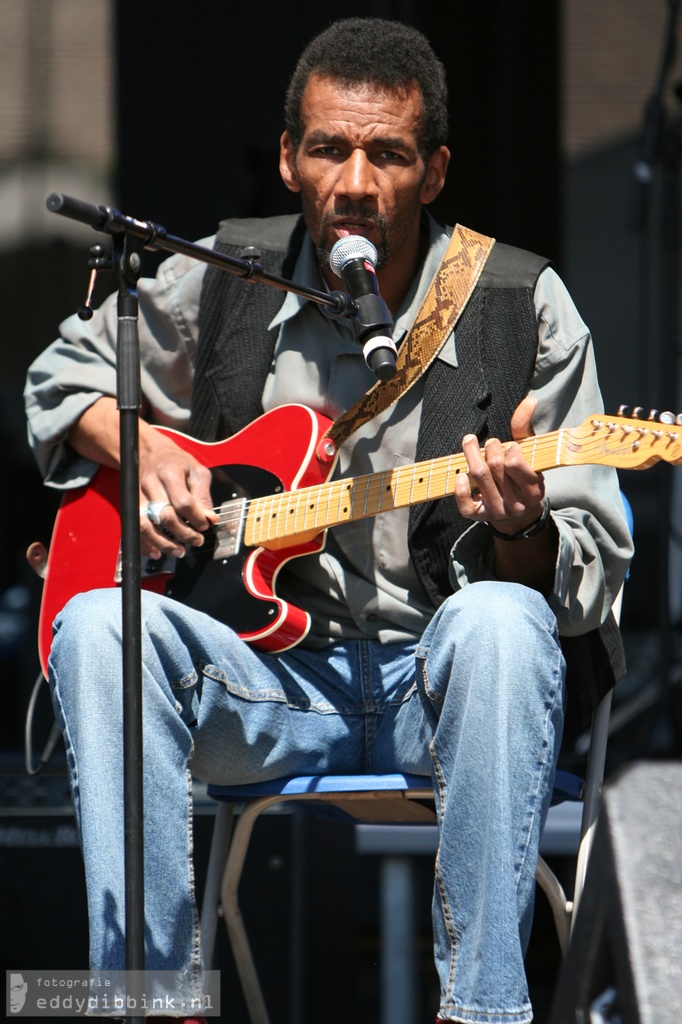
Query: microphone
353,259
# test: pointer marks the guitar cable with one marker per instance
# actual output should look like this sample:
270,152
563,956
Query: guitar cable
52,740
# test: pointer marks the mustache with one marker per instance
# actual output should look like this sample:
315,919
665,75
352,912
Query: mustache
351,210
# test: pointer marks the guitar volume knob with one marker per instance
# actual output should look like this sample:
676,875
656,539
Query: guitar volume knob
326,450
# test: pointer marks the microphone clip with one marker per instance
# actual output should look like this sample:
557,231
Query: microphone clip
373,326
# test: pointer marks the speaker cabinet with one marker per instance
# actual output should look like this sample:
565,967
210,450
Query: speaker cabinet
625,958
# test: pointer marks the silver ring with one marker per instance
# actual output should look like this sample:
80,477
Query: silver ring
153,511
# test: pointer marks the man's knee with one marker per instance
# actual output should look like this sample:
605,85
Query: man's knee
99,613
491,639
89,614
501,609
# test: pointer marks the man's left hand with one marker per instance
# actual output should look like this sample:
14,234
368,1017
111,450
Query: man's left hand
502,488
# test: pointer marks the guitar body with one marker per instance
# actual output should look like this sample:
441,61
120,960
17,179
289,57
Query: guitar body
275,453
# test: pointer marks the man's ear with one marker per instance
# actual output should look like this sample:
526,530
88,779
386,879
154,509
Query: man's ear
287,163
434,179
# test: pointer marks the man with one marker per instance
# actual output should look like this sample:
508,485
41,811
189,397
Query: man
17,993
415,660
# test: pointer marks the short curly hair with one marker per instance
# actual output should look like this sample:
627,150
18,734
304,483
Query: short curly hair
380,52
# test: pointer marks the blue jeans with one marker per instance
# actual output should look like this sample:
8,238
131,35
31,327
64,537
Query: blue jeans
477,704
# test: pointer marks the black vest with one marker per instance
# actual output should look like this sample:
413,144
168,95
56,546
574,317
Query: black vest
496,351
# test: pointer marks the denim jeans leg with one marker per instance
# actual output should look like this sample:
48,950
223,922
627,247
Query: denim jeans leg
212,705
85,676
491,673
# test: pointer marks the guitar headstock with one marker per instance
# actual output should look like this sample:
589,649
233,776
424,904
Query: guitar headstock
630,440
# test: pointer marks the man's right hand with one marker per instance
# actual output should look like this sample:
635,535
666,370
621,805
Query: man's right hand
169,477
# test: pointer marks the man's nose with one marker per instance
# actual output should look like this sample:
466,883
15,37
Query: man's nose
357,179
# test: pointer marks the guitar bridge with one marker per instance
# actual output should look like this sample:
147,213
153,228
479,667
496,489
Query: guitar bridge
164,566
227,539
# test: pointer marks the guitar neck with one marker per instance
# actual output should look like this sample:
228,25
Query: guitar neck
619,441
312,509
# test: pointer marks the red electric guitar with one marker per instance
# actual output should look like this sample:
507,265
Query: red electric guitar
275,501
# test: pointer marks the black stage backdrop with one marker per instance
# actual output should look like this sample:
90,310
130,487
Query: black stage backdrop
200,93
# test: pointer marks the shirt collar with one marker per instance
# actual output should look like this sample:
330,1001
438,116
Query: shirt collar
306,273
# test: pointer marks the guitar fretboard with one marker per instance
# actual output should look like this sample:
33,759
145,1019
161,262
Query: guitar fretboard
313,509
625,443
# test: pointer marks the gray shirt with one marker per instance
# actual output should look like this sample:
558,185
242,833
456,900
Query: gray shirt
363,583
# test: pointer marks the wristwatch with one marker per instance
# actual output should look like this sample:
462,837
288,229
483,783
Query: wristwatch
530,531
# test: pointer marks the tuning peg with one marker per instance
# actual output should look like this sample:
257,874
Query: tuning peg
623,410
653,414
638,412
667,417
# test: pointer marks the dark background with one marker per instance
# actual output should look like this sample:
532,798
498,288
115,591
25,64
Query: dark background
199,122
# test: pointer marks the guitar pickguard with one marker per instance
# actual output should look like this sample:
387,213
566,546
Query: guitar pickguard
216,585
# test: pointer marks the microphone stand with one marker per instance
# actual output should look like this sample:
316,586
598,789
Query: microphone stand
129,237
661,144
671,154
153,236
125,254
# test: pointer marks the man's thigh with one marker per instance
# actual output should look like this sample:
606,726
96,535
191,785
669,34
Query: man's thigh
349,708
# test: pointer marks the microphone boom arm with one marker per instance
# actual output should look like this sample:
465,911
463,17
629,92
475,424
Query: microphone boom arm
154,236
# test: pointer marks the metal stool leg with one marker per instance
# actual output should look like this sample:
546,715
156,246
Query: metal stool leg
239,941
210,909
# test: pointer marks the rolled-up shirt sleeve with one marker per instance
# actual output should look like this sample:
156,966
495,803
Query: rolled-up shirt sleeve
595,545
80,367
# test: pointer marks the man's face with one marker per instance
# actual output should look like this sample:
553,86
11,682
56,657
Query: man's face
18,989
358,167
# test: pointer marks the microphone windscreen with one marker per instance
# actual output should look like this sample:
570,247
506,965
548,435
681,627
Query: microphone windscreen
353,247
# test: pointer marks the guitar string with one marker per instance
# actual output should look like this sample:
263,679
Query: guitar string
371,485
